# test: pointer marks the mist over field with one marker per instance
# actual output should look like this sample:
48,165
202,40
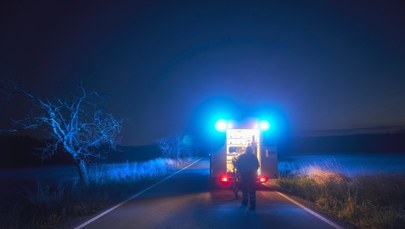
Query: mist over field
349,164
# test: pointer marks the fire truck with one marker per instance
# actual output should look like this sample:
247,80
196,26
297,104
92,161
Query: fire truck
238,137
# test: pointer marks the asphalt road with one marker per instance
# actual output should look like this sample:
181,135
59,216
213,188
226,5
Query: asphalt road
186,201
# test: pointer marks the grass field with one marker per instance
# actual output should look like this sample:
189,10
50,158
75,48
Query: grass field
53,203
366,200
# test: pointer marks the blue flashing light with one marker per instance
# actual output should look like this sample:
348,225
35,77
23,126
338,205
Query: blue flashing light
264,125
221,125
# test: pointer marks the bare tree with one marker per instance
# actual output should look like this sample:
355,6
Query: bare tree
176,146
78,126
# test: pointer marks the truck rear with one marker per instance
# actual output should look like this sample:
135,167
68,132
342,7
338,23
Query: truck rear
237,139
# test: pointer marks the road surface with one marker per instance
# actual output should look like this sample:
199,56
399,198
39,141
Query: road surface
186,201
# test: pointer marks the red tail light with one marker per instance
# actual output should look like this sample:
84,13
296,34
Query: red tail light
262,179
224,179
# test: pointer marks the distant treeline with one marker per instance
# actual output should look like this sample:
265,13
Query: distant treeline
24,151
373,143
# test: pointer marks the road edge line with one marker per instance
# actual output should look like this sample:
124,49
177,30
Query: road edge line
132,197
310,211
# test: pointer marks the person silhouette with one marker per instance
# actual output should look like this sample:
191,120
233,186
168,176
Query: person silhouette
247,165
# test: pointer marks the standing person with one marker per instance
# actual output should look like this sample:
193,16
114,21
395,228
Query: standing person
247,165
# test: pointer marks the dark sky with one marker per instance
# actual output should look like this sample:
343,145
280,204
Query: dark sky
321,64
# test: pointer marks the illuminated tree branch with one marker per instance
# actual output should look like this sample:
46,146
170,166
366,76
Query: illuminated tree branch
78,126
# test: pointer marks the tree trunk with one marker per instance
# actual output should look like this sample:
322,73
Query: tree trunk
84,176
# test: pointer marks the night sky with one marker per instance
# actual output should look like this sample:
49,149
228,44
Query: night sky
320,65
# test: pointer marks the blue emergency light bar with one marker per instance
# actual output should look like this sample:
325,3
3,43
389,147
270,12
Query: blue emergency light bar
221,125
264,125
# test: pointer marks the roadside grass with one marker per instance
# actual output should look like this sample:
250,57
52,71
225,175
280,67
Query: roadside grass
55,205
366,201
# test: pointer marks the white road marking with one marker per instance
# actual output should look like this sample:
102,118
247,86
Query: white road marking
309,210
132,197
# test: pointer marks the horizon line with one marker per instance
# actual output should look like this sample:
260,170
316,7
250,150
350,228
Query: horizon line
388,129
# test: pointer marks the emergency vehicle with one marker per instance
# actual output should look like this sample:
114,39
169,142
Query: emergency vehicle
238,137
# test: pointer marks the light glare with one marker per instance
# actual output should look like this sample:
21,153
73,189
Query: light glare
221,125
264,125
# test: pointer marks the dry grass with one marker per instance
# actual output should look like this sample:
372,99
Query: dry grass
367,201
